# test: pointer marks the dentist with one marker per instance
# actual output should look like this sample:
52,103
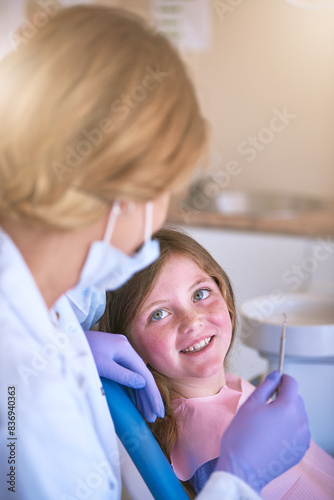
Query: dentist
99,123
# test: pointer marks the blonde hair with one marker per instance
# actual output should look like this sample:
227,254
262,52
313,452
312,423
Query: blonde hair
95,106
124,304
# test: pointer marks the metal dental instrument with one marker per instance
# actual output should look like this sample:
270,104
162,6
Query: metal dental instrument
281,353
282,348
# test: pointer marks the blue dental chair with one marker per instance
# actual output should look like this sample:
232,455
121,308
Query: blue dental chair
141,445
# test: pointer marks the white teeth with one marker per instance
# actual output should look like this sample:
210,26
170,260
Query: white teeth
198,346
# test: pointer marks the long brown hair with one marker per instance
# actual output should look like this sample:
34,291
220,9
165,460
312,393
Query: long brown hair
123,305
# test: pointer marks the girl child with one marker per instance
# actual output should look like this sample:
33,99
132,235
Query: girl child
179,315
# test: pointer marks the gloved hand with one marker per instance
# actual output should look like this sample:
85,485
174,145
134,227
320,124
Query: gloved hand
116,360
266,439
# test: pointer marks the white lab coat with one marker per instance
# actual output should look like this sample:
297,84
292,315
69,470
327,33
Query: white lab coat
64,444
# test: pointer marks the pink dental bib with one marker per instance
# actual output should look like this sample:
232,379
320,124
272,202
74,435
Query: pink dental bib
202,422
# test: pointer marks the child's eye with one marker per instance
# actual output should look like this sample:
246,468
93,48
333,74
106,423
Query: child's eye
159,314
201,294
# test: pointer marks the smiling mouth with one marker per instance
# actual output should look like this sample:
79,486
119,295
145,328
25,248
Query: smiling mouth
198,346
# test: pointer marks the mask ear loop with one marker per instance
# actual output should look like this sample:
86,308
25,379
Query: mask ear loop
148,220
114,213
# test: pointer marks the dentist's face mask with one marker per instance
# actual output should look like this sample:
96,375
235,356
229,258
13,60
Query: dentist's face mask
106,267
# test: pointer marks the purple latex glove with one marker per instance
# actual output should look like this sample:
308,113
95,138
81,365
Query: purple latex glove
116,360
266,439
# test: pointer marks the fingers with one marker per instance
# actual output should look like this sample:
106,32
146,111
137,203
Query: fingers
142,374
144,406
138,402
263,392
130,359
122,375
153,396
288,390
289,397
123,365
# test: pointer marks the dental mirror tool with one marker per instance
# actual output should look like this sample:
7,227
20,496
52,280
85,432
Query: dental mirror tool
281,353
282,348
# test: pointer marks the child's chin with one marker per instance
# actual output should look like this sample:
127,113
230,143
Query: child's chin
210,370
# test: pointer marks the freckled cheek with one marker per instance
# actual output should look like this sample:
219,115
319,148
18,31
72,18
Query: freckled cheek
155,349
222,320
219,317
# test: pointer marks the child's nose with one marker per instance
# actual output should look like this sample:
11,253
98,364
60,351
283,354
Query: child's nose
190,320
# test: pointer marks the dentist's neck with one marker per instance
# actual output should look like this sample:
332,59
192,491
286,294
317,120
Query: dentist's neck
54,258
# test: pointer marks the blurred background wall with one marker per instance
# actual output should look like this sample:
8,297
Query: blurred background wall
266,59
